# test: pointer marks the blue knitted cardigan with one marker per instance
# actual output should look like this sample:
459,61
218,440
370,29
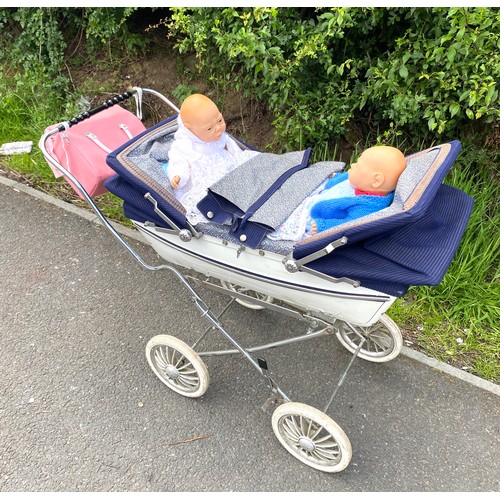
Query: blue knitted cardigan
335,211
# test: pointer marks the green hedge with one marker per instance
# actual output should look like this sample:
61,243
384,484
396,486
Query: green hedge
365,73
331,72
36,42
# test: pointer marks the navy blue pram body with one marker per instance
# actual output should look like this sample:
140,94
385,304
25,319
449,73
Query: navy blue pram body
412,242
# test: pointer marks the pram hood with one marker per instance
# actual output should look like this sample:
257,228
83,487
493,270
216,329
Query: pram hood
412,242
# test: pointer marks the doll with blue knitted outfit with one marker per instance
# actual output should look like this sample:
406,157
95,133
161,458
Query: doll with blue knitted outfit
368,186
202,153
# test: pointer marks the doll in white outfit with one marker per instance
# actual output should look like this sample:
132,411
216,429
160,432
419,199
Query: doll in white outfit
202,153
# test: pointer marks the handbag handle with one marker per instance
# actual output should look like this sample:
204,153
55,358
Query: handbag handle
105,105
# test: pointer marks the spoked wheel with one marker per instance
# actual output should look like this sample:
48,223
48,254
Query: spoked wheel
249,293
383,340
312,437
177,366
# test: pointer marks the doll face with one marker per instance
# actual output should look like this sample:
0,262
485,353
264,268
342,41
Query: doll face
361,172
209,125
377,169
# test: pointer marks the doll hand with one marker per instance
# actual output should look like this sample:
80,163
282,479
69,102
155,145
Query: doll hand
175,181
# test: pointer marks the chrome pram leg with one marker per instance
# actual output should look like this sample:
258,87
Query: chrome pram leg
211,317
219,316
362,341
305,432
179,367
325,329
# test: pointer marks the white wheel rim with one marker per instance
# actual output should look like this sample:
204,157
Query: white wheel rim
176,368
312,437
177,365
383,340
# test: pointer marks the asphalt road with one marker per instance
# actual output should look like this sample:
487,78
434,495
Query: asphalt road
80,409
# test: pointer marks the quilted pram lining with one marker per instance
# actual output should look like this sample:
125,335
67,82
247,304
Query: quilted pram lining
145,157
144,160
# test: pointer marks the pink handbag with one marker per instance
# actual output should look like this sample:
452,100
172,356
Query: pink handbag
82,149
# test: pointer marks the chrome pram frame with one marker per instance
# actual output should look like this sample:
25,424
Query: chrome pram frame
307,433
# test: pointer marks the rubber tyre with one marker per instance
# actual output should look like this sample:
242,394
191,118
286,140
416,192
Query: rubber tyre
383,340
177,366
312,437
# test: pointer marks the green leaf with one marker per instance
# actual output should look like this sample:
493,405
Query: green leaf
451,54
403,71
490,95
454,109
463,95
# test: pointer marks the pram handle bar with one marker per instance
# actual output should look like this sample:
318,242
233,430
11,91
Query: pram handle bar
66,173
112,102
53,161
162,97
105,105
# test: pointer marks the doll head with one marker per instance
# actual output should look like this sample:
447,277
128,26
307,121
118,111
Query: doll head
202,118
377,169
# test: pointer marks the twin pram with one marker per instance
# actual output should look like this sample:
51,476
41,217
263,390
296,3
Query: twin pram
341,281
